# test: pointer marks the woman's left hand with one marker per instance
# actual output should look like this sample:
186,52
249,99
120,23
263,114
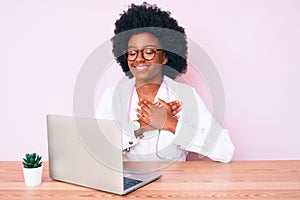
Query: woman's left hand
158,115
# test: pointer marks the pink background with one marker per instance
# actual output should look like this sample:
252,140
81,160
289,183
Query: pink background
254,45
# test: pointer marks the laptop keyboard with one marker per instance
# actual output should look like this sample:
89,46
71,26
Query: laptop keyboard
129,182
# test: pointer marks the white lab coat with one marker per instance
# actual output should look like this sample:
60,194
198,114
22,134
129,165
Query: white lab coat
196,131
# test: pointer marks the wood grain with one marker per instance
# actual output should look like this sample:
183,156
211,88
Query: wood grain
279,180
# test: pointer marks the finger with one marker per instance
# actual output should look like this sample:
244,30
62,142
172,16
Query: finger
177,116
177,110
175,113
145,105
175,106
137,122
142,123
146,102
143,102
143,118
172,103
142,113
163,103
145,109
157,104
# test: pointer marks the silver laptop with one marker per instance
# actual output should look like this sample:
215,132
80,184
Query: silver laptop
88,152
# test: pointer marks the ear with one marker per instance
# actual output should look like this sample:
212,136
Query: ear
165,59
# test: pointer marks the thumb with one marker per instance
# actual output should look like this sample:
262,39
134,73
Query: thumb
163,103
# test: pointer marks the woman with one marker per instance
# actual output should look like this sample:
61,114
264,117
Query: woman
170,118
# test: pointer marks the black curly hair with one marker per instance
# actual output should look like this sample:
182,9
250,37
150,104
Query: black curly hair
151,19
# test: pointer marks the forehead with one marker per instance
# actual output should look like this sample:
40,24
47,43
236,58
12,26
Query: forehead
142,40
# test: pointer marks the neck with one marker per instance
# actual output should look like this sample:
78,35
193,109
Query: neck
148,91
141,83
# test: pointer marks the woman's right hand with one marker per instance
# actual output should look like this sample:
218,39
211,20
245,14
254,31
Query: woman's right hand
160,115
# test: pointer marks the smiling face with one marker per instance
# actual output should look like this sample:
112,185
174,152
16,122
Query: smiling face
146,71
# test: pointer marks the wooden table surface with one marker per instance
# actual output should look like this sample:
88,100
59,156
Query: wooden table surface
181,180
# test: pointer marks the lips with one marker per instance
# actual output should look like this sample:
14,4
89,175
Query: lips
141,68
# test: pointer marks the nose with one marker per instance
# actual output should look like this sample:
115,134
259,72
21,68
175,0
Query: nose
140,56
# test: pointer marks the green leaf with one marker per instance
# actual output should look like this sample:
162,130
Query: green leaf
25,163
32,160
33,156
38,159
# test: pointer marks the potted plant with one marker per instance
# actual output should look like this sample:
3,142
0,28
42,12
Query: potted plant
32,169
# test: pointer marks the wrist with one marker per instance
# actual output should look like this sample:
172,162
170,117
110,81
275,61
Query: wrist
139,133
171,125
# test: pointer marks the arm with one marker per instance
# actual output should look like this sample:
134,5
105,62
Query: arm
199,132
104,110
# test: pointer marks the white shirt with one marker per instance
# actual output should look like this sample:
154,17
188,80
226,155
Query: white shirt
196,131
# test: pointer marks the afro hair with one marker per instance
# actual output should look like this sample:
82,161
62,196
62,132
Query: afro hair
151,19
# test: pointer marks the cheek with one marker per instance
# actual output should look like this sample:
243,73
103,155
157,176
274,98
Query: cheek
130,64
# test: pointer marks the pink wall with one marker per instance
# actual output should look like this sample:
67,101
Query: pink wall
253,44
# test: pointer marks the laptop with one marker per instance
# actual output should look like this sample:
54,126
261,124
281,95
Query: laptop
88,152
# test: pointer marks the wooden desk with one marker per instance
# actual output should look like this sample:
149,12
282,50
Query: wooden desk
181,180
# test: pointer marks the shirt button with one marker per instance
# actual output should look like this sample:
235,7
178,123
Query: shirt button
130,142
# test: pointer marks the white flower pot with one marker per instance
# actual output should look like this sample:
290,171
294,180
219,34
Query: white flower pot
33,176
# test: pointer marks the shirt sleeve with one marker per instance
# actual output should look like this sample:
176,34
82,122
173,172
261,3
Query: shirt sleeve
223,149
104,110
210,139
104,107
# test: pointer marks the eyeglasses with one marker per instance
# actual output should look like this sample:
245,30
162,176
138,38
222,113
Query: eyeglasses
147,53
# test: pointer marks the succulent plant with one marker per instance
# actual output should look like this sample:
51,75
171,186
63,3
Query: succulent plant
32,160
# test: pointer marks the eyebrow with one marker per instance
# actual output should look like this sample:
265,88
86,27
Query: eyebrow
147,46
